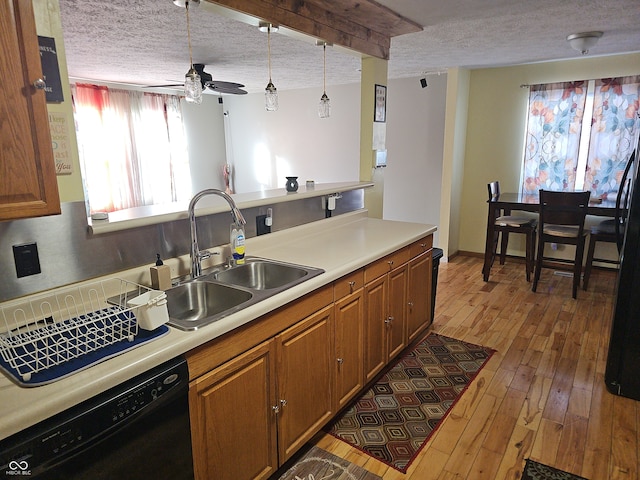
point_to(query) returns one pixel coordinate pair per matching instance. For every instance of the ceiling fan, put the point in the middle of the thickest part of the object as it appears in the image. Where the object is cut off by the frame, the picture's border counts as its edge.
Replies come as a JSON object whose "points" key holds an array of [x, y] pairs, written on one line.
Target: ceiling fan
{"points": [[207, 81]]}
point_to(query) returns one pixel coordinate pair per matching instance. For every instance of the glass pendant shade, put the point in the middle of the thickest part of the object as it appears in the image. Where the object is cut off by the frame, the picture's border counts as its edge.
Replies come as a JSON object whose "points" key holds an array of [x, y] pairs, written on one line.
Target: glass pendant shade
{"points": [[192, 87], [271, 92], [324, 107], [271, 97]]}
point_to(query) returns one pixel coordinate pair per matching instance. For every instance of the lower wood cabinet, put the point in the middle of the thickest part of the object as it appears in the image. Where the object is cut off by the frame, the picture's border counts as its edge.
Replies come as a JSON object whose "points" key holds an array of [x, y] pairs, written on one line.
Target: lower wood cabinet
{"points": [[349, 338], [304, 376], [419, 295], [259, 393], [233, 418], [254, 412], [385, 310]]}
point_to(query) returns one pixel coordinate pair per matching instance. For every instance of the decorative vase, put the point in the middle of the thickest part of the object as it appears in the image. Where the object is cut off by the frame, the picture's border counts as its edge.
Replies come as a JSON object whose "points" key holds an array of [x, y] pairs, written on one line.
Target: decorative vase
{"points": [[292, 184]]}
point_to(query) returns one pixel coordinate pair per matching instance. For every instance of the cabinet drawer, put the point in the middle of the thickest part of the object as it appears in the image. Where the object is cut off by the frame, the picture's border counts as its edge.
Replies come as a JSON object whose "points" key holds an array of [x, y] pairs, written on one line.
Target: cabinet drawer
{"points": [[420, 246], [386, 264], [348, 284]]}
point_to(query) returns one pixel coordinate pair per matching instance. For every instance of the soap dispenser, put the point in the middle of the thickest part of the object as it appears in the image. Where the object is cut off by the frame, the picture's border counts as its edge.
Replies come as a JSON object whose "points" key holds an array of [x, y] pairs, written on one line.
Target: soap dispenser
{"points": [[160, 275], [237, 243]]}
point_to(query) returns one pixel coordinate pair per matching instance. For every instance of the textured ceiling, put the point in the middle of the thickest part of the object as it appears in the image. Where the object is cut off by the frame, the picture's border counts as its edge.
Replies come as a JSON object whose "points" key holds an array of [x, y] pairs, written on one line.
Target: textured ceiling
{"points": [[145, 42]]}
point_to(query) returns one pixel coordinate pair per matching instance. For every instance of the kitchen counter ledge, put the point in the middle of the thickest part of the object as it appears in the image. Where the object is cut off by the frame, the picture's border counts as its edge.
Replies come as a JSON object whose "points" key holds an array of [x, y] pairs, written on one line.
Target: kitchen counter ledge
{"points": [[339, 245]]}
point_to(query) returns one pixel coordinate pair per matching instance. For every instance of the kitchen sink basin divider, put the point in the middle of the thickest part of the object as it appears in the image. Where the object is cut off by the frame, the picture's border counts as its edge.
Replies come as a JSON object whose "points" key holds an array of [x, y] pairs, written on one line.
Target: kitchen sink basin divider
{"points": [[56, 328]]}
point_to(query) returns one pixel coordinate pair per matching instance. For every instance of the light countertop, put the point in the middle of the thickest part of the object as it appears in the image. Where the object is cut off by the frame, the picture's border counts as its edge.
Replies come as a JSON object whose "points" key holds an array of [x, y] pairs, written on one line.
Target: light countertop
{"points": [[338, 245]]}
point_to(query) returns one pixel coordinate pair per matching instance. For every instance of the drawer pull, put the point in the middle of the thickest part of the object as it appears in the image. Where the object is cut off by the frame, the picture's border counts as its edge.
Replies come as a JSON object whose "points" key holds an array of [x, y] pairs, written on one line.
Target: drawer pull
{"points": [[351, 286], [389, 320], [340, 361]]}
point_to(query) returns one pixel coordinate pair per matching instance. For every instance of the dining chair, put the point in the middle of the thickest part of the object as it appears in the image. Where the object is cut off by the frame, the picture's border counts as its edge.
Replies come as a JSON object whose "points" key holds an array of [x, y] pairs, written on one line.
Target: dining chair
{"points": [[561, 221], [503, 225], [610, 230]]}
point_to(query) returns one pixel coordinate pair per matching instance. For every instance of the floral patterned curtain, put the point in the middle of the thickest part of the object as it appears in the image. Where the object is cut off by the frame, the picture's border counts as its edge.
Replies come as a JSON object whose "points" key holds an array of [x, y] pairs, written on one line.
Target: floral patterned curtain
{"points": [[614, 134], [553, 136]]}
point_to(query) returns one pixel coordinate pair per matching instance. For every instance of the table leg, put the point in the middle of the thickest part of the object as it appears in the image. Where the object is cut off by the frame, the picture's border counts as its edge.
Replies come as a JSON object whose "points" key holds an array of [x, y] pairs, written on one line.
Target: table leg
{"points": [[488, 248]]}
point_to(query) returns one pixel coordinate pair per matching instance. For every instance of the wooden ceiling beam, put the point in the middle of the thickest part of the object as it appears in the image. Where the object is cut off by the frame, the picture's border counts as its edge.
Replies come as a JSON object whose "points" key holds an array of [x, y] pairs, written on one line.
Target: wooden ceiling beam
{"points": [[360, 25]]}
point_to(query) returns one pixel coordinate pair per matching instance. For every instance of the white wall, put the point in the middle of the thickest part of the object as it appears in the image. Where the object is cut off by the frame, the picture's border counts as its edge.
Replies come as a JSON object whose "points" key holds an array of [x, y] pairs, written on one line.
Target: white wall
{"points": [[204, 128], [266, 146], [415, 142]]}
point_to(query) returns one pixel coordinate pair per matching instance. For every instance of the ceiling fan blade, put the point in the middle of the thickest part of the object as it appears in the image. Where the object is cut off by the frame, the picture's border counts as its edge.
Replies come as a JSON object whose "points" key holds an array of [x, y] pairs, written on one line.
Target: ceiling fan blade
{"points": [[229, 90], [213, 84]]}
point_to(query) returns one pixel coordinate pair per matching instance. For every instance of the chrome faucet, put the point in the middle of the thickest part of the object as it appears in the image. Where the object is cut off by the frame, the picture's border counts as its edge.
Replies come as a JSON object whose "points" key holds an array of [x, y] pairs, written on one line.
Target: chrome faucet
{"points": [[196, 254]]}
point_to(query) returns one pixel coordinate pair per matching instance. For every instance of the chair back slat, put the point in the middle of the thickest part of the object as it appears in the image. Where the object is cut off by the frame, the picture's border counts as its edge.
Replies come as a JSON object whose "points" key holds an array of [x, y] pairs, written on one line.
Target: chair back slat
{"points": [[563, 208]]}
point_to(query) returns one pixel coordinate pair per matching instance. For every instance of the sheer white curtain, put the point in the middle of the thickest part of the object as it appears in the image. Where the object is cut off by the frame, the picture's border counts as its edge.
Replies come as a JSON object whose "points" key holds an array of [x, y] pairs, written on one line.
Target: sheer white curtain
{"points": [[132, 147]]}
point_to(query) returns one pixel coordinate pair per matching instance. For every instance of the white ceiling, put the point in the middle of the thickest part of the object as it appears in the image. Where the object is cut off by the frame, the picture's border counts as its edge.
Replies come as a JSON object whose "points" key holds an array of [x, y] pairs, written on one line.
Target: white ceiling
{"points": [[145, 42]]}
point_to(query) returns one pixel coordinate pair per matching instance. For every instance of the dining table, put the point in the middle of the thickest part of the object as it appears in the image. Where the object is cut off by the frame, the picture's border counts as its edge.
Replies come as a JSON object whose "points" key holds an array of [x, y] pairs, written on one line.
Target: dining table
{"points": [[505, 203]]}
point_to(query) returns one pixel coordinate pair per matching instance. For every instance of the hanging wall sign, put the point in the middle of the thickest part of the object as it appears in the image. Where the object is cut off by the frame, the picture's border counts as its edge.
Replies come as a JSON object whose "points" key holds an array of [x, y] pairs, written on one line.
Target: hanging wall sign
{"points": [[50, 69], [61, 143]]}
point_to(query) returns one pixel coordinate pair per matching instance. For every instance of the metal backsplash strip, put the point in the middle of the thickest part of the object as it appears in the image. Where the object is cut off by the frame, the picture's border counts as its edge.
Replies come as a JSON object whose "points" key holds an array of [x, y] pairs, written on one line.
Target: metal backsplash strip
{"points": [[69, 254]]}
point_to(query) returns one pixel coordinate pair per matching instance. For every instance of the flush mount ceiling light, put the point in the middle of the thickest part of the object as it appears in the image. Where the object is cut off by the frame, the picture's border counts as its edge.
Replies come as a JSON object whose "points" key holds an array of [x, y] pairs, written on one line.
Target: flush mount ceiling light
{"points": [[582, 42], [192, 81], [271, 92], [324, 107]]}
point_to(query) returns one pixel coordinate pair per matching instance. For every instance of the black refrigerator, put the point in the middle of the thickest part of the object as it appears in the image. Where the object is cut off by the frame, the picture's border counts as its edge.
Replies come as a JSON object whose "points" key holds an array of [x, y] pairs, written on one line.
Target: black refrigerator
{"points": [[622, 374]]}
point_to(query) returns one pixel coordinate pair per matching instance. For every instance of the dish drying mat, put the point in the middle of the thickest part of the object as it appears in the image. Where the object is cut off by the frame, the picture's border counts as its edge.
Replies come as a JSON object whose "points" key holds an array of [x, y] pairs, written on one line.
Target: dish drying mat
{"points": [[69, 367]]}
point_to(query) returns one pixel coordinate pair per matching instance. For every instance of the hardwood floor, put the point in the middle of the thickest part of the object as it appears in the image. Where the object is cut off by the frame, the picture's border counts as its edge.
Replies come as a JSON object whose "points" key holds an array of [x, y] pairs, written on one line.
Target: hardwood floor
{"points": [[541, 396]]}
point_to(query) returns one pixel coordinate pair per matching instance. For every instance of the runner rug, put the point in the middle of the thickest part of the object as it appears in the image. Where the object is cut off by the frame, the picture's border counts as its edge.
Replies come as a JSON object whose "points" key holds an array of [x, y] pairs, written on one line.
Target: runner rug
{"points": [[318, 464], [538, 471], [393, 419]]}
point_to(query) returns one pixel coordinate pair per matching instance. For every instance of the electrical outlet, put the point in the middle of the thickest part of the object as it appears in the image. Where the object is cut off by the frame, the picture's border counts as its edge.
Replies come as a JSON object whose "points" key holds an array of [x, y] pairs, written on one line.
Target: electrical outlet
{"points": [[26, 259]]}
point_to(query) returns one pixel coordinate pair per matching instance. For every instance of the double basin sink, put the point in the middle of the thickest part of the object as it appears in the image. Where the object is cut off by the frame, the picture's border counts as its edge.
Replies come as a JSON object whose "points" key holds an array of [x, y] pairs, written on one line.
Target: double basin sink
{"points": [[228, 290]]}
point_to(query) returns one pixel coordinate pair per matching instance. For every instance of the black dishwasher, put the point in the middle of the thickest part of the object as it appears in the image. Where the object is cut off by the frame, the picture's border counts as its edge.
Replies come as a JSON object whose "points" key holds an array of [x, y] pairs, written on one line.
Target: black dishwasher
{"points": [[137, 430]]}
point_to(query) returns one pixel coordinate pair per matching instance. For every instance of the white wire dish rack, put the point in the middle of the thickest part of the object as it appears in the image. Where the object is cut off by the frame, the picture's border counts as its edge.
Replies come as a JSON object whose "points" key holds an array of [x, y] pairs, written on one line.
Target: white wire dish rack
{"points": [[52, 329]]}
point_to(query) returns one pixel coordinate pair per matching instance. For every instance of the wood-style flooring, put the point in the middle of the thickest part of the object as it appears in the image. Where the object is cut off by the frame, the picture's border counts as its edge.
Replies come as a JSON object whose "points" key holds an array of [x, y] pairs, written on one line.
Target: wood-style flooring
{"points": [[541, 396]]}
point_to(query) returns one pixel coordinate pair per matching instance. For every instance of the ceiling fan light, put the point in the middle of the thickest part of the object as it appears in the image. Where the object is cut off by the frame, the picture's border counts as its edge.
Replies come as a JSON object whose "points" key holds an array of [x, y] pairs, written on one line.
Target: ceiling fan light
{"points": [[584, 41], [271, 97], [192, 87], [324, 107]]}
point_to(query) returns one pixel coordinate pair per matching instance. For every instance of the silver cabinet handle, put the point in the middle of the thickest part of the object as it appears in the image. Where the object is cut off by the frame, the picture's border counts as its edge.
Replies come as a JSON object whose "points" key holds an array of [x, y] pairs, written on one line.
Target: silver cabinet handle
{"points": [[275, 409], [283, 403], [40, 84], [351, 286], [388, 320], [340, 361], [410, 304], [390, 262], [423, 245]]}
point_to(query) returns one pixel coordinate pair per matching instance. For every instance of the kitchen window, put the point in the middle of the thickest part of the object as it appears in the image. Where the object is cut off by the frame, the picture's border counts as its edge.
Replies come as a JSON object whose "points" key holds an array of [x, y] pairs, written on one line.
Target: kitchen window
{"points": [[580, 135], [132, 148]]}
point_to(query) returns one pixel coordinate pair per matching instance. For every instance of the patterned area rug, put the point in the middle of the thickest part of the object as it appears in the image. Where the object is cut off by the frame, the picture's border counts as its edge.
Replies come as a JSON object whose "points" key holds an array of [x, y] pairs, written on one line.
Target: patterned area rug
{"points": [[318, 464], [394, 418], [538, 471]]}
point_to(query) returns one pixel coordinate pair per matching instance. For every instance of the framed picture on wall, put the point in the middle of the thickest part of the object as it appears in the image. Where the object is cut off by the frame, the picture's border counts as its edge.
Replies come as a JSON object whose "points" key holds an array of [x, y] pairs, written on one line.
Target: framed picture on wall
{"points": [[380, 112]]}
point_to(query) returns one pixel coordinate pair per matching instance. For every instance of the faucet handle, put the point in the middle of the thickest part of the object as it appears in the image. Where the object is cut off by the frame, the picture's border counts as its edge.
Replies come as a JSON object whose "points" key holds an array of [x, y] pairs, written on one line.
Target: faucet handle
{"points": [[203, 254]]}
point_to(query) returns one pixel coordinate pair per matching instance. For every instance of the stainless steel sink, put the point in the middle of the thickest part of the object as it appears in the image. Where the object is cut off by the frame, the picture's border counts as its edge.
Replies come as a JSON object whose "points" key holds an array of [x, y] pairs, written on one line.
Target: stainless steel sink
{"points": [[228, 290], [261, 274], [193, 304]]}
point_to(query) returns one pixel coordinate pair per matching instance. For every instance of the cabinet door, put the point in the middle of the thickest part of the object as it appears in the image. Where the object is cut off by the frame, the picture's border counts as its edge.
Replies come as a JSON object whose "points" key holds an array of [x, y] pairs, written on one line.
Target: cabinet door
{"points": [[28, 185], [397, 318], [233, 422], [375, 338], [419, 296], [305, 371], [349, 322]]}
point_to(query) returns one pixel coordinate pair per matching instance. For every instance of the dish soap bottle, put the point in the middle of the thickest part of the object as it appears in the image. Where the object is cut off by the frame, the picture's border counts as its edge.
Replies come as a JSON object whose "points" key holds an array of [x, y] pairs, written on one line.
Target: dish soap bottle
{"points": [[237, 243]]}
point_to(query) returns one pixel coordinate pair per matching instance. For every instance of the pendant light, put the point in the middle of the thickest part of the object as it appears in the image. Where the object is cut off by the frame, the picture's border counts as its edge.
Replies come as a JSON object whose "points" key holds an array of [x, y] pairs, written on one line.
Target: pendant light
{"points": [[271, 92], [192, 81], [324, 107]]}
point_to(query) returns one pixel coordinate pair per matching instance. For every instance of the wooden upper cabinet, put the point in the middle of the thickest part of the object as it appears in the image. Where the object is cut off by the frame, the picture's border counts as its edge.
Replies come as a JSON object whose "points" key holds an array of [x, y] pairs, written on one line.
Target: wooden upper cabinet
{"points": [[28, 185]]}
